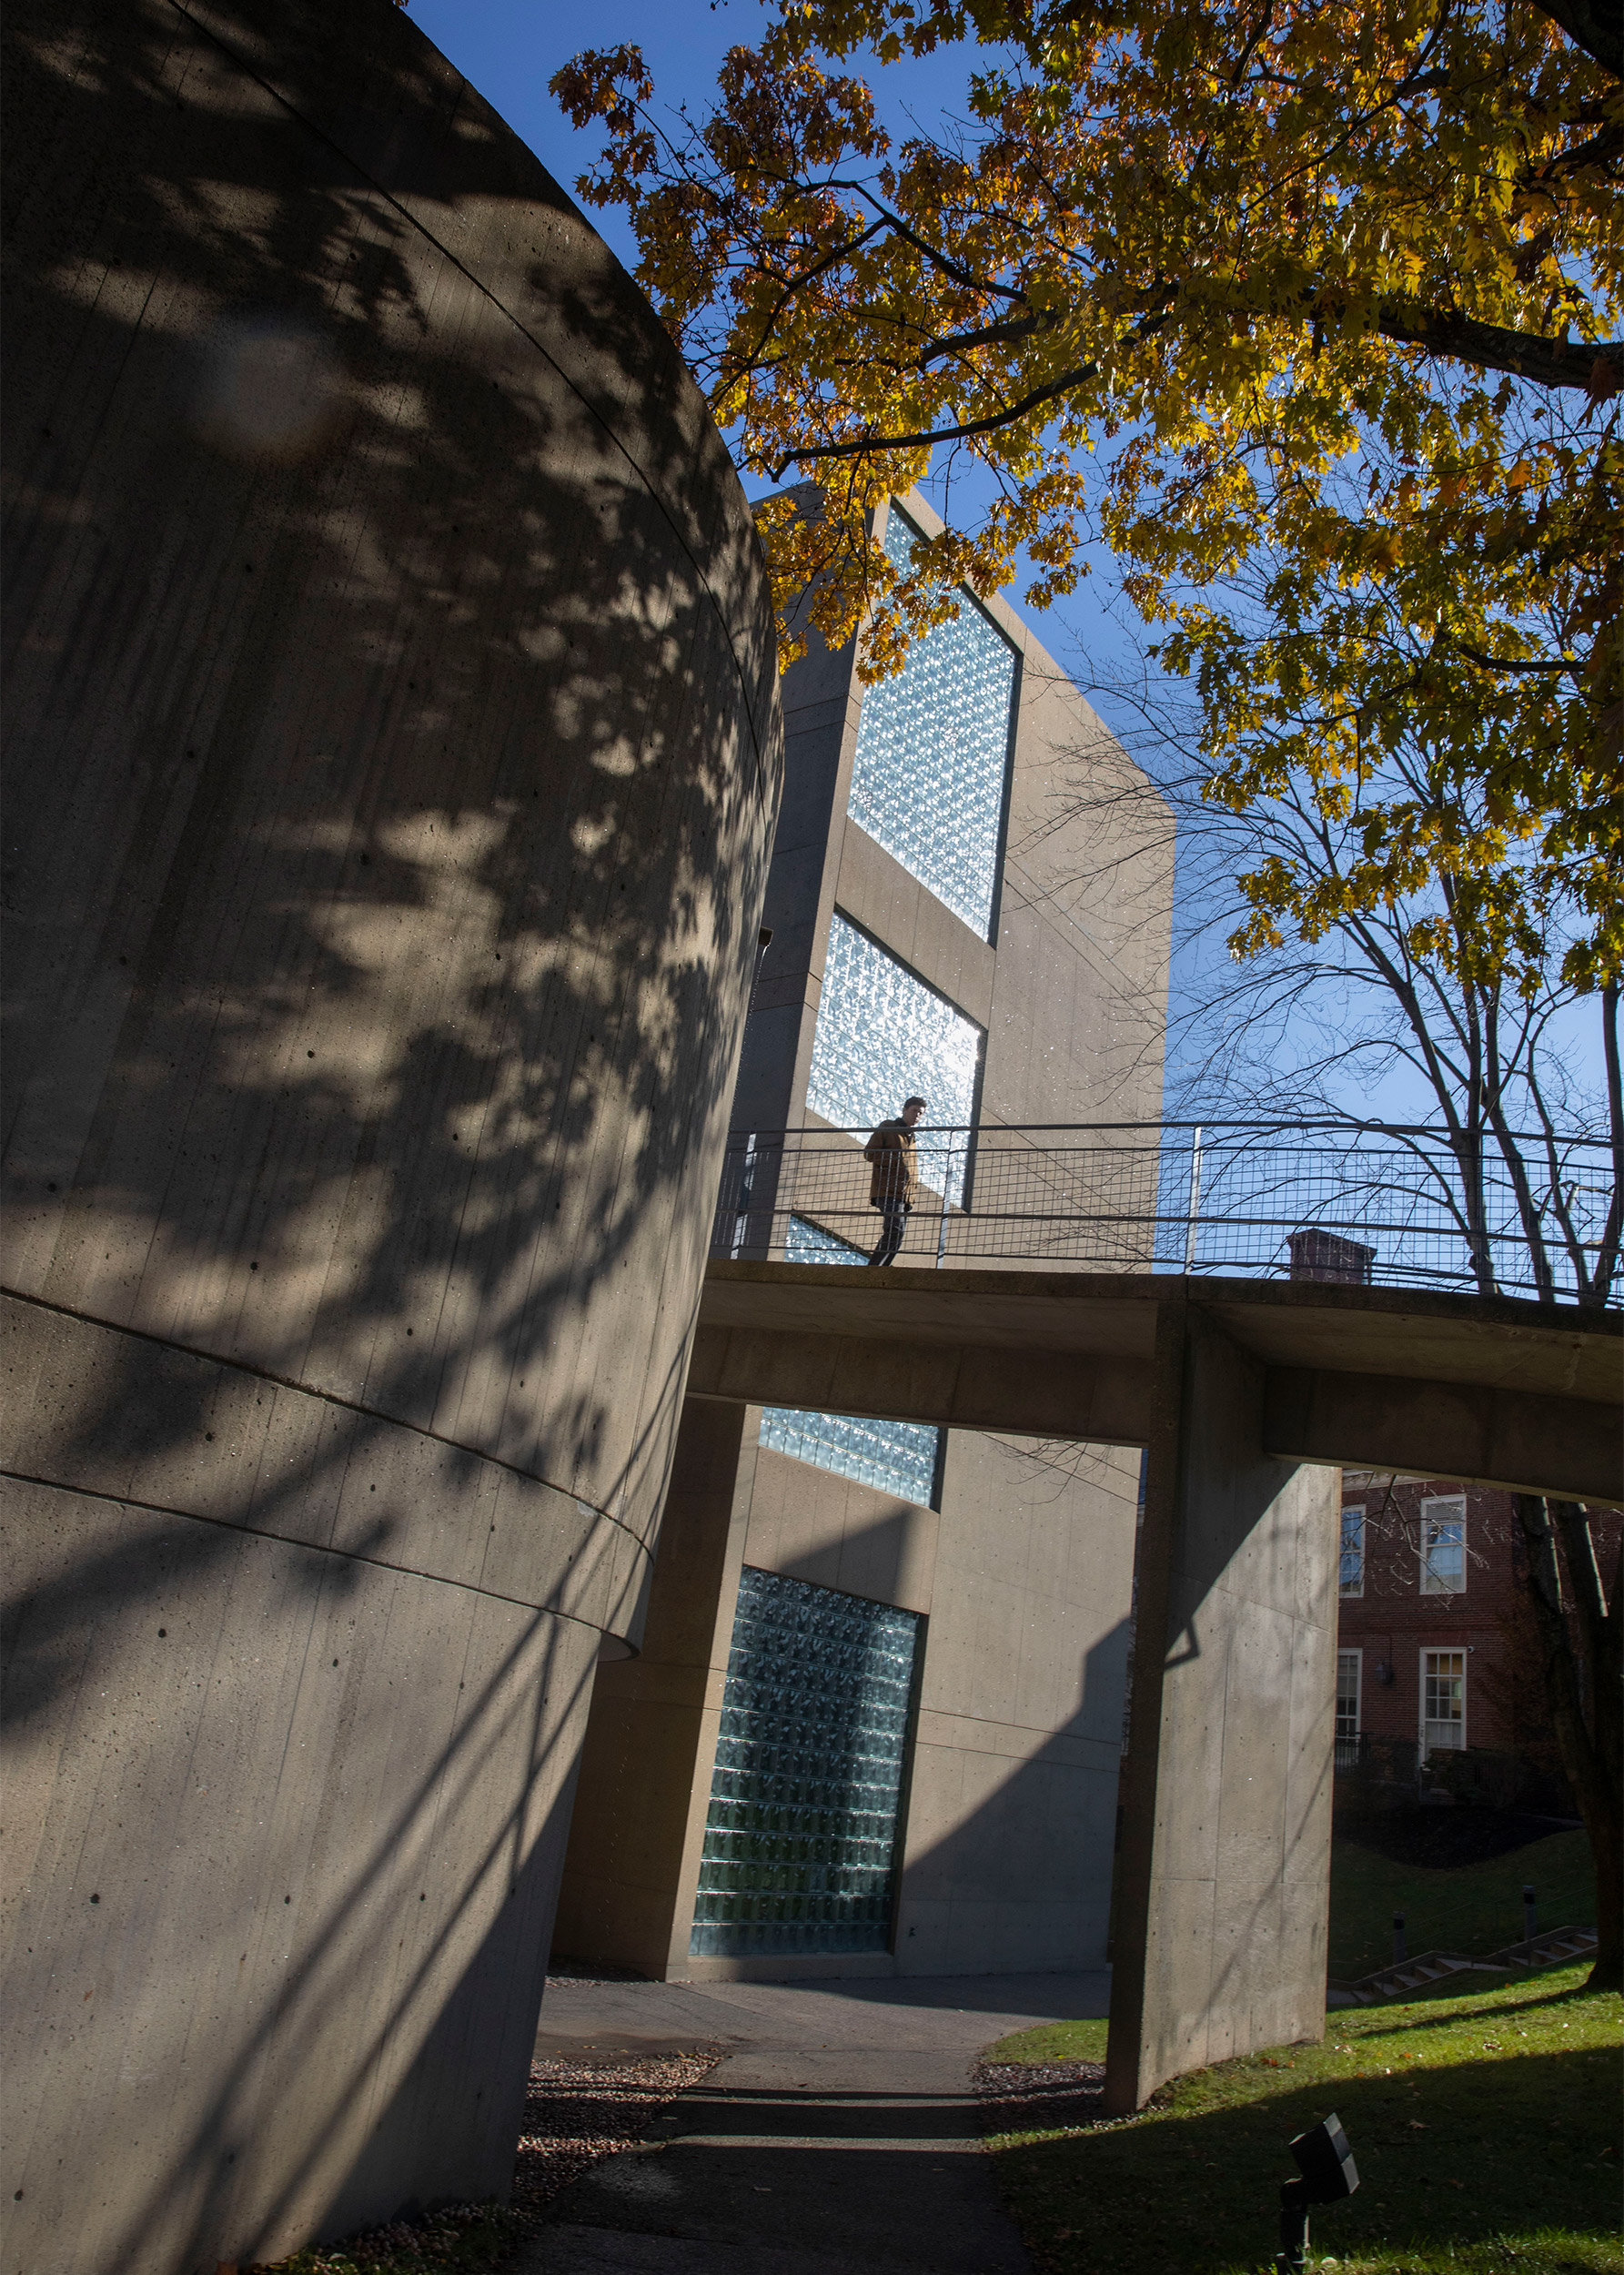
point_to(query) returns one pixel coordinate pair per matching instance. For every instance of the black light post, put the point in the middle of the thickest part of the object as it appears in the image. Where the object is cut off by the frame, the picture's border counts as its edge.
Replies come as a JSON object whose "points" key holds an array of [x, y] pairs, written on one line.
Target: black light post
{"points": [[1530, 1912], [1399, 1952], [1326, 2162]]}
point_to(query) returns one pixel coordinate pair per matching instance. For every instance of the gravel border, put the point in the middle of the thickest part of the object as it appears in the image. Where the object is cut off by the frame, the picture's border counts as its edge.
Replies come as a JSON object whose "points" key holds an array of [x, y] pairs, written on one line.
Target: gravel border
{"points": [[576, 2113], [1032, 2097]]}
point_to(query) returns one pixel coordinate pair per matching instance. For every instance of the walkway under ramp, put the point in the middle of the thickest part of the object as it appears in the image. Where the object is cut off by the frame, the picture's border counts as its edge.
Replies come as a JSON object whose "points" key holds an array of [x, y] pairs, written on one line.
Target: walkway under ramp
{"points": [[1247, 1395], [839, 2134]]}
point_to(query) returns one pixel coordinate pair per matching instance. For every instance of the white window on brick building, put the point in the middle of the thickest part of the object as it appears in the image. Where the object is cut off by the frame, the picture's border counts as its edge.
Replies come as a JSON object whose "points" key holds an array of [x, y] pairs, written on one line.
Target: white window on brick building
{"points": [[1443, 1701], [1348, 1672], [1351, 1572], [1443, 1545]]}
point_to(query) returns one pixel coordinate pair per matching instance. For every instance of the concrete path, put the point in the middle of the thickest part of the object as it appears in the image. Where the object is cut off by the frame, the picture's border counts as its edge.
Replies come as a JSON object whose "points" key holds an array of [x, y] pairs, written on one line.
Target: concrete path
{"points": [[838, 2135]]}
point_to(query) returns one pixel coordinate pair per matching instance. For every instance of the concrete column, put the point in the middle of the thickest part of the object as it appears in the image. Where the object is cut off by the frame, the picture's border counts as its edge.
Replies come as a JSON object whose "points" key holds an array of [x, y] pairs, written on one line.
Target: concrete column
{"points": [[645, 1785], [1223, 1872]]}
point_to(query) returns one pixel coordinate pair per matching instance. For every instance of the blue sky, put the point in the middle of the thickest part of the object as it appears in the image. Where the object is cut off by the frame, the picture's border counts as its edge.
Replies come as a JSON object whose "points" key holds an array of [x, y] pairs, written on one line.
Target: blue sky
{"points": [[509, 49]]}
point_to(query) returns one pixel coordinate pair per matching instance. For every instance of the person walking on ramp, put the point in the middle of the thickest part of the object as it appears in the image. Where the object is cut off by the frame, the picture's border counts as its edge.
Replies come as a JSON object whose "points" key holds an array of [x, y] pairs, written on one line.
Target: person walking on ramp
{"points": [[894, 1178]]}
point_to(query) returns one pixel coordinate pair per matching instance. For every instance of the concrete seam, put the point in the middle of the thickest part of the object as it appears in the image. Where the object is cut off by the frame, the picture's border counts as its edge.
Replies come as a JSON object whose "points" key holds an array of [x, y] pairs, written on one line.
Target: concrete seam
{"points": [[207, 32], [328, 1398], [292, 1539]]}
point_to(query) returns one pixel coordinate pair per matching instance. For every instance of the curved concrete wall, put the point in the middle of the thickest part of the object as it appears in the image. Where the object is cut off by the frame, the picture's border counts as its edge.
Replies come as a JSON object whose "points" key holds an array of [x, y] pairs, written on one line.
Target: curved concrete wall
{"points": [[394, 751]]}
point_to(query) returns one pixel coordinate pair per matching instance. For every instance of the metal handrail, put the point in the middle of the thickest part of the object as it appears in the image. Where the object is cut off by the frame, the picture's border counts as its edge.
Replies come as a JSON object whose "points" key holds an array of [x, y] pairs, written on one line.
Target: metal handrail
{"points": [[1318, 1199]]}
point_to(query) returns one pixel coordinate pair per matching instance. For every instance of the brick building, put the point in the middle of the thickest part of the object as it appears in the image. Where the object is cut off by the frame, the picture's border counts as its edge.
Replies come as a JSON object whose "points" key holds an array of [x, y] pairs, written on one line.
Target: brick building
{"points": [[1436, 1640]]}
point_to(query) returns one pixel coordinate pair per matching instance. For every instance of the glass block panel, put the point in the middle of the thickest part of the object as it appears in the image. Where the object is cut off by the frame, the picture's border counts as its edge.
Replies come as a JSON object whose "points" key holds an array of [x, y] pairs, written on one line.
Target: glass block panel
{"points": [[883, 1036], [932, 746], [895, 1457], [808, 1243], [801, 1838]]}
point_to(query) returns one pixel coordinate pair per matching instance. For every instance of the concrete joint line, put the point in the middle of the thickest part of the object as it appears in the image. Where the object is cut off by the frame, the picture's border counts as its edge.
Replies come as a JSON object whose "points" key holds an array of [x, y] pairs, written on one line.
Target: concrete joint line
{"points": [[289, 1540], [326, 1397]]}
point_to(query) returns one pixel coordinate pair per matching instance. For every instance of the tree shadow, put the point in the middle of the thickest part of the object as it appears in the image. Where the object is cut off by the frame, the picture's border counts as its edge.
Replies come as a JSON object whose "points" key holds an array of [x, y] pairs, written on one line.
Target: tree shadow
{"points": [[393, 750], [1199, 2190]]}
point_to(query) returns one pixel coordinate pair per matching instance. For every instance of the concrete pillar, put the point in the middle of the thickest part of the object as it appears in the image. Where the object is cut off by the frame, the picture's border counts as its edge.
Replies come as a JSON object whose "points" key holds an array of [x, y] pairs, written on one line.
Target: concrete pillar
{"points": [[638, 1825], [393, 750], [1223, 1872]]}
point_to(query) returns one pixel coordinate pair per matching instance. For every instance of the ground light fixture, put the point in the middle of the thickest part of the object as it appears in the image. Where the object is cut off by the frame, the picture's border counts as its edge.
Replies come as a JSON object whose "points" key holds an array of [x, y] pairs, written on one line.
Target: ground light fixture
{"points": [[1326, 2162]]}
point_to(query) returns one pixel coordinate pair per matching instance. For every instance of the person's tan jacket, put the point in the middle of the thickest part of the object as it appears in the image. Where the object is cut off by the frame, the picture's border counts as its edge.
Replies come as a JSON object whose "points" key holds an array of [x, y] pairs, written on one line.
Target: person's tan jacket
{"points": [[895, 1171]]}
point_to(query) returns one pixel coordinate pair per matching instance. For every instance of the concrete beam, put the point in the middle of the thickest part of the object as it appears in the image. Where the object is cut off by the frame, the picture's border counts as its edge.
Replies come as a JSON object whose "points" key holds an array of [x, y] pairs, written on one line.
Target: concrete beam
{"points": [[1520, 1441], [1491, 1389], [965, 1385]]}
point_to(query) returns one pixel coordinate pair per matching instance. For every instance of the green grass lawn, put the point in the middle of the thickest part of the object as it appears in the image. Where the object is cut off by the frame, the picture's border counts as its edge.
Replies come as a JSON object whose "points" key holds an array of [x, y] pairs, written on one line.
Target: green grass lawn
{"points": [[1486, 2130], [1471, 1908]]}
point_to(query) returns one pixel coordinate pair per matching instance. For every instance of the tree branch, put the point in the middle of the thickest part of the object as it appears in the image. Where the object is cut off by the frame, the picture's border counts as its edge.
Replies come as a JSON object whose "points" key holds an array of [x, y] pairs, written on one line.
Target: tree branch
{"points": [[1523, 355], [1437, 332], [989, 335], [863, 444], [1595, 25], [1514, 664]]}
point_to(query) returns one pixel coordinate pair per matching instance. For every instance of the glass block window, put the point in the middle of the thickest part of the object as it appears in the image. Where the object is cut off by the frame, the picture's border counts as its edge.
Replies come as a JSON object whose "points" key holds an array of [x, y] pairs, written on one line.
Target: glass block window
{"points": [[883, 1036], [933, 748], [895, 1457], [1443, 1700], [1443, 1546], [808, 1243], [1351, 1571], [800, 1839]]}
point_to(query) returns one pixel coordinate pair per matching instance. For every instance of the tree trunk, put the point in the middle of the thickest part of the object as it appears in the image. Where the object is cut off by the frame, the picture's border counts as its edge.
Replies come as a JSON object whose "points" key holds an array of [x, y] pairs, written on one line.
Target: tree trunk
{"points": [[1585, 1701]]}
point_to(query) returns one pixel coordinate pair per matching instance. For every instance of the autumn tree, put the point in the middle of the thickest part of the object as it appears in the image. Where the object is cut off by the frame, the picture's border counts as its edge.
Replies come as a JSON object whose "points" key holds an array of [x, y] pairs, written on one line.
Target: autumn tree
{"points": [[1323, 290], [1523, 1082]]}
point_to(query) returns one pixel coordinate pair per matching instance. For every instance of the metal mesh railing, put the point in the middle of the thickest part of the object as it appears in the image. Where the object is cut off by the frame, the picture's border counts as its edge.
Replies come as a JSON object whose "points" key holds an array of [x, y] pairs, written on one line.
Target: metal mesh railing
{"points": [[1322, 1200]]}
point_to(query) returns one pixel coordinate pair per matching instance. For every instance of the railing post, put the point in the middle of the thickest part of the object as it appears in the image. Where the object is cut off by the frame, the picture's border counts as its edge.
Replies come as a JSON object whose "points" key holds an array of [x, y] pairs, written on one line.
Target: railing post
{"points": [[1194, 1203], [941, 1225], [745, 1195]]}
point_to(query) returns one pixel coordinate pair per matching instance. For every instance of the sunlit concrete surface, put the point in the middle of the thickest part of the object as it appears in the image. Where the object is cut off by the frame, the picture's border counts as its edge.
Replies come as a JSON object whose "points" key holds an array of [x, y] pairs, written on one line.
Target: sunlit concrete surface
{"points": [[393, 749]]}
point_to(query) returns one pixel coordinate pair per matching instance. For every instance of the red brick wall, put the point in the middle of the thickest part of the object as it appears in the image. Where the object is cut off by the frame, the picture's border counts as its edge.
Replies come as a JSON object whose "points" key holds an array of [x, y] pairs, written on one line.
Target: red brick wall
{"points": [[1392, 1623]]}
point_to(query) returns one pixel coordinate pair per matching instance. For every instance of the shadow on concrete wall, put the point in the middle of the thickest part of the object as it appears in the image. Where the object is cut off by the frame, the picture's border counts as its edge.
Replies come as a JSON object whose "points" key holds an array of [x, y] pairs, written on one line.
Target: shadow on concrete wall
{"points": [[380, 691], [1040, 1839], [393, 754]]}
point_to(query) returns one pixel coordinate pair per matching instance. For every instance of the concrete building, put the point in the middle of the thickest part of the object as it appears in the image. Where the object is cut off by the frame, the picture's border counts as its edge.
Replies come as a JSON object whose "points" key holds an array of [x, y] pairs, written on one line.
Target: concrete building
{"points": [[876, 1724], [393, 749]]}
